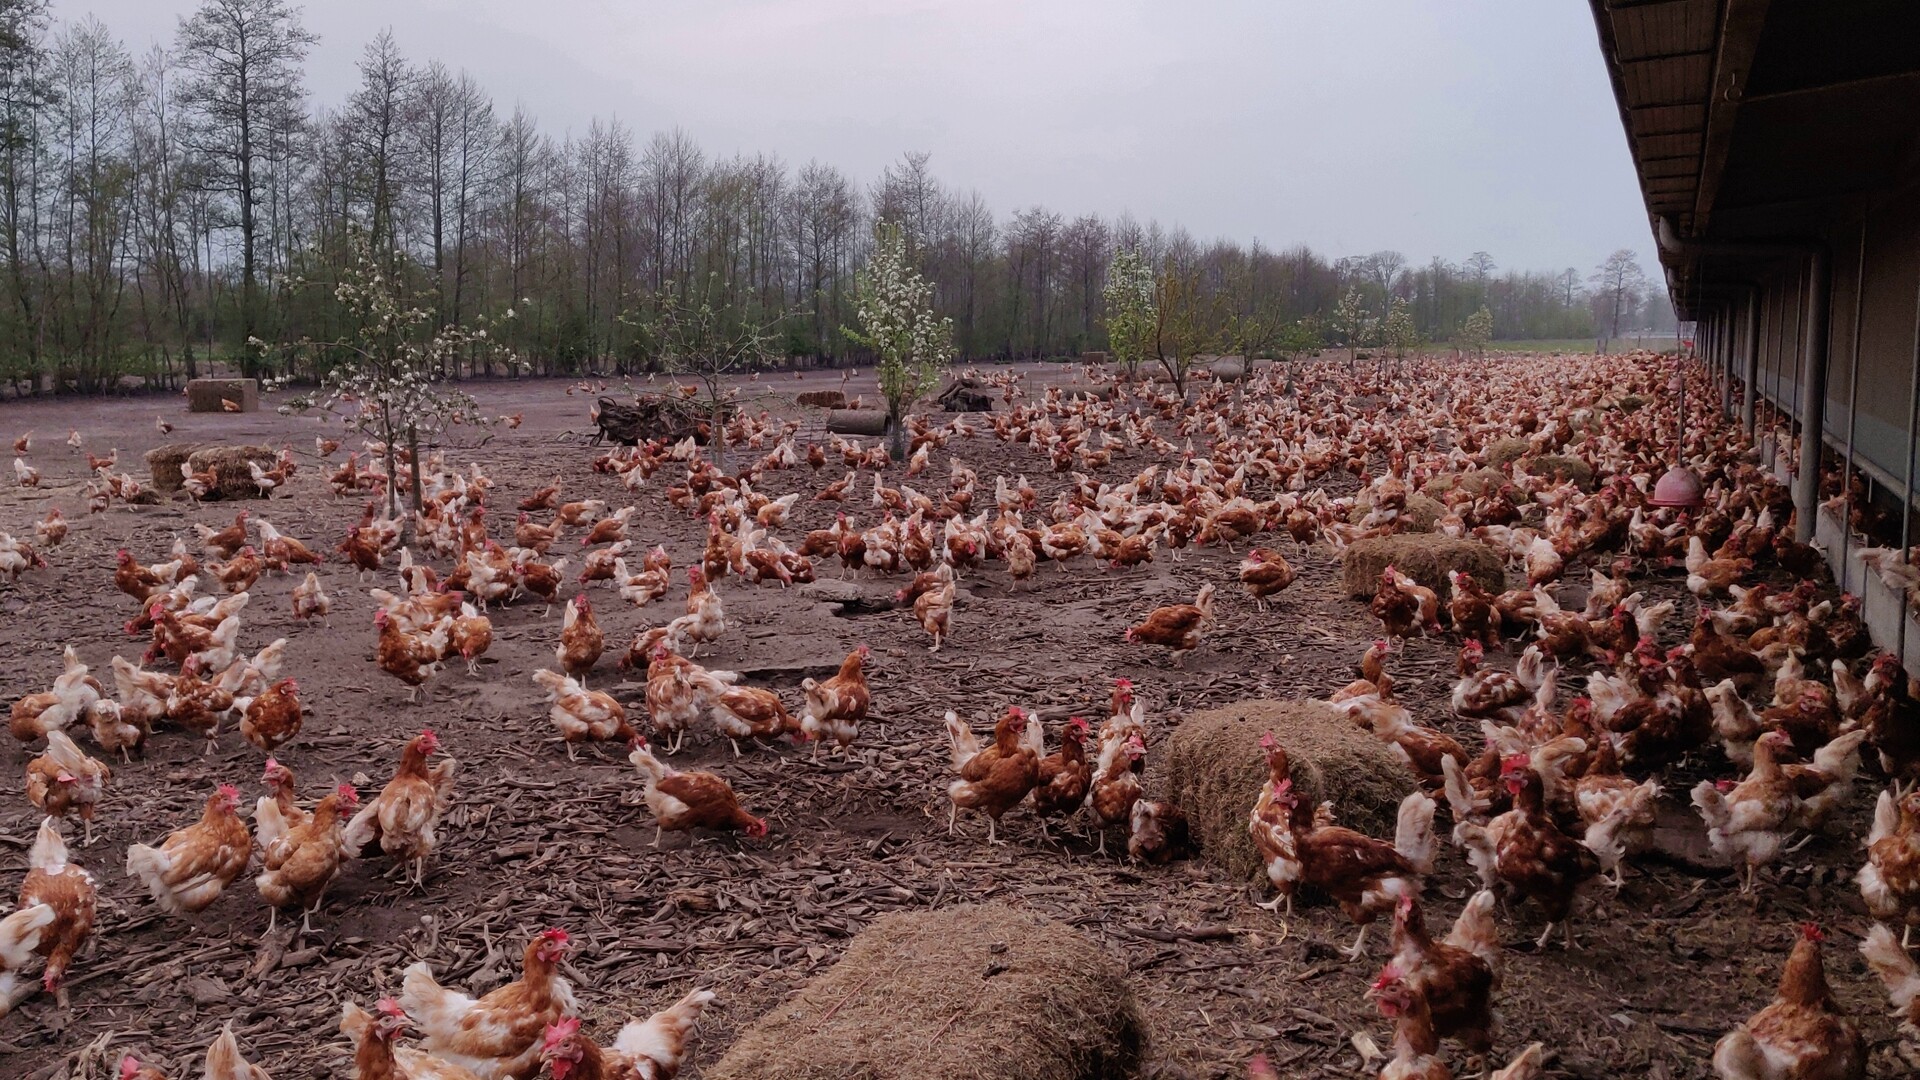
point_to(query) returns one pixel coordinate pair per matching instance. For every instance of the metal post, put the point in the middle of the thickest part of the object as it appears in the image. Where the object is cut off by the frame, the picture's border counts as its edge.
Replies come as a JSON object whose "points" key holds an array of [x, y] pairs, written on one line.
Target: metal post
{"points": [[1813, 396], [1725, 342], [1752, 349], [1853, 405], [1906, 494]]}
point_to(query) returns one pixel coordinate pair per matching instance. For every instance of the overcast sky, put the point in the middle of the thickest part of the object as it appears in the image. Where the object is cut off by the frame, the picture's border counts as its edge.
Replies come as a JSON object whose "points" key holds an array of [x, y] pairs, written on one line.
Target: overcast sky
{"points": [[1434, 128]]}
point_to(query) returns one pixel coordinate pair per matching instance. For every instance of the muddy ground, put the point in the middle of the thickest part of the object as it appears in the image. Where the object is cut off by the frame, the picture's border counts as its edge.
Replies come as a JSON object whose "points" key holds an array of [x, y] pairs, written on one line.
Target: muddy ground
{"points": [[535, 840]]}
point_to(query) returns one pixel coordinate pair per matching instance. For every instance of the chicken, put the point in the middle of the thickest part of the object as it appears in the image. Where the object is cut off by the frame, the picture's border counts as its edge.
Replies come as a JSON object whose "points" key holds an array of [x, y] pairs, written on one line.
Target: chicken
{"points": [[223, 1057], [1489, 692], [1890, 881], [299, 864], [140, 582], [497, 1036], [27, 475], [223, 543], [51, 530], [1543, 562], [405, 817], [1363, 875], [1401, 604], [992, 779], [377, 1054], [1618, 813], [1178, 627], [1264, 573], [934, 609], [609, 530], [1416, 1048], [1421, 749], [194, 865], [533, 536], [1114, 789], [1457, 976], [410, 656], [581, 714], [282, 551], [1471, 610], [310, 600], [708, 615], [65, 779], [650, 1049], [272, 719], [650, 584], [34, 716], [747, 712], [277, 812], [197, 705], [471, 635], [115, 728], [833, 708], [581, 641], [1524, 849], [689, 800], [1899, 974], [1712, 577], [1749, 821], [53, 918], [1801, 1035], [1061, 783], [1159, 833]]}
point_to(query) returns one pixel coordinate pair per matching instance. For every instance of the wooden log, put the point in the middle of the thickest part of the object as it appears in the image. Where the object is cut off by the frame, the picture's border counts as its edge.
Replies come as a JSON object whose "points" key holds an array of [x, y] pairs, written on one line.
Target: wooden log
{"points": [[857, 422]]}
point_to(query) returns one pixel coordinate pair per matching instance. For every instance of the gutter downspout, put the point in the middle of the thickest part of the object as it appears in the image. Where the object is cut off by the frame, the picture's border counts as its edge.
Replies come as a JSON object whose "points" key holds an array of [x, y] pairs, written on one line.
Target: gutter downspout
{"points": [[1813, 384]]}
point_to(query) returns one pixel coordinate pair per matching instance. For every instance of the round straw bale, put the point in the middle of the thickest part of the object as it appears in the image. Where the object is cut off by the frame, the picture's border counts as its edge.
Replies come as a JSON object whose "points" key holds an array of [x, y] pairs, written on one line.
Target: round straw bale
{"points": [[1215, 769], [233, 480], [857, 422], [164, 462], [1424, 557], [1560, 468], [1504, 452], [969, 991]]}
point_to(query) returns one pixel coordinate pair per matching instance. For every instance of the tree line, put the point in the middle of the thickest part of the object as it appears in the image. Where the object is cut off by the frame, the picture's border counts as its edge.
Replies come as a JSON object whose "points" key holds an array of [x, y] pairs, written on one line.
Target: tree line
{"points": [[184, 211]]}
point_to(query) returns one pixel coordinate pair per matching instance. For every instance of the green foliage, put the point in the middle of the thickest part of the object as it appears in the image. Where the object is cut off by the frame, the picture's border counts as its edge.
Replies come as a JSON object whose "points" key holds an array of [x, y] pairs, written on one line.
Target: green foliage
{"points": [[1351, 323], [1398, 332], [1129, 309], [1188, 322], [897, 321], [1476, 331]]}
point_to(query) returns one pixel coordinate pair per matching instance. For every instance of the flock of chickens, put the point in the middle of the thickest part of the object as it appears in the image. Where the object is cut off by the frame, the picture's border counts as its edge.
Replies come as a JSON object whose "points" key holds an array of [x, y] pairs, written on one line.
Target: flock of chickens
{"points": [[1558, 796]]}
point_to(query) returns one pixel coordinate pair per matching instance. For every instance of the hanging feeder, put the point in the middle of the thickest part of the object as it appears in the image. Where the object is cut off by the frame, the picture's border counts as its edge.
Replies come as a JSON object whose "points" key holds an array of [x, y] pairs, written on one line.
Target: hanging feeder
{"points": [[1679, 489]]}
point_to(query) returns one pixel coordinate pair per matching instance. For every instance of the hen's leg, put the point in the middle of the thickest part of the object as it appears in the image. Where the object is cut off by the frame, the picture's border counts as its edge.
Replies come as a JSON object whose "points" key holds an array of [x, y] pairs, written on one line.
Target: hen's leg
{"points": [[1359, 945], [1541, 942]]}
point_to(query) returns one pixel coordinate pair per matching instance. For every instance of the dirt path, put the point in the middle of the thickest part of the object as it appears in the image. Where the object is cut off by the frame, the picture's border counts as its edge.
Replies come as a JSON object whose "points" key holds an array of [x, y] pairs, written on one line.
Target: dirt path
{"points": [[536, 841]]}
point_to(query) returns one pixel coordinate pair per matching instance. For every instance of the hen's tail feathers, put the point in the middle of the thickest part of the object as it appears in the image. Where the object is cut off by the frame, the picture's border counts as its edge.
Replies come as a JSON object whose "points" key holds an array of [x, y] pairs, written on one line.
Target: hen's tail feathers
{"points": [[1477, 842], [49, 847], [1530, 1065], [1460, 798], [1713, 807], [961, 741], [1475, 930], [20, 935], [150, 866], [662, 1037], [364, 829], [1886, 818], [354, 1023], [223, 1058], [1413, 832], [1896, 969]]}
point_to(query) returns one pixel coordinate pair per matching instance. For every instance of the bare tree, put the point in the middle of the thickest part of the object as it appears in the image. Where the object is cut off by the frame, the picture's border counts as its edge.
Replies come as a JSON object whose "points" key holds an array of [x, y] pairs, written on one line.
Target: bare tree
{"points": [[1617, 285], [242, 60]]}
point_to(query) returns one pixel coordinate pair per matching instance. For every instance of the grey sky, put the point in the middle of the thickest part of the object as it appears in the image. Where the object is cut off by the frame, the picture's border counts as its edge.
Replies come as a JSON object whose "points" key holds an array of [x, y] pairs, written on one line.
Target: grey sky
{"points": [[1429, 126]]}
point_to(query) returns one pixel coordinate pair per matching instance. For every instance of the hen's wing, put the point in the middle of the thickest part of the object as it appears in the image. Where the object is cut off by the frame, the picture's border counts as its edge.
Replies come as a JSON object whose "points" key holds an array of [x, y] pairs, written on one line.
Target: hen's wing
{"points": [[662, 1037]]}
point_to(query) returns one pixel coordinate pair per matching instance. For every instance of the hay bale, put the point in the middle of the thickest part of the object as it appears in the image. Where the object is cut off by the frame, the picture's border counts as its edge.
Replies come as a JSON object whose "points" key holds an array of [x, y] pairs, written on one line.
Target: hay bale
{"points": [[970, 991], [232, 478], [206, 395], [1215, 769], [1424, 557], [822, 399], [1093, 358], [164, 465], [1561, 468], [1504, 452], [857, 422], [1632, 403]]}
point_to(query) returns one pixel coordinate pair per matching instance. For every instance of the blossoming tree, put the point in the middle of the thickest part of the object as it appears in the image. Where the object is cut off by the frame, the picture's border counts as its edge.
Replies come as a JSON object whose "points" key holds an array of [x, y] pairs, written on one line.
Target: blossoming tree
{"points": [[1130, 313], [384, 376], [894, 304]]}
